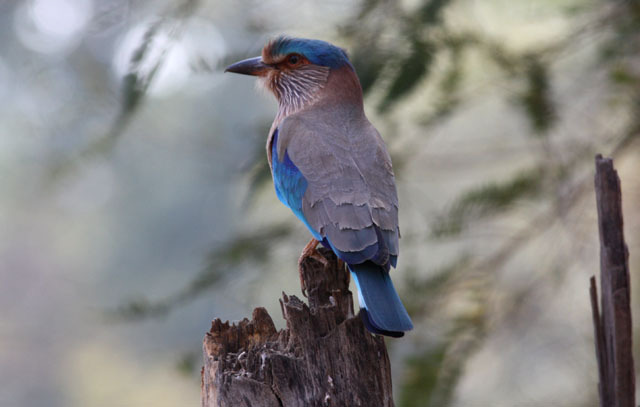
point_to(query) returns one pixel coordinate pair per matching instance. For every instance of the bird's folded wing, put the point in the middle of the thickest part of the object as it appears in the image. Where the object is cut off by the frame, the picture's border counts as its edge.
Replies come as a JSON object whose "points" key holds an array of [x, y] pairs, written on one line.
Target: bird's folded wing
{"points": [[351, 196]]}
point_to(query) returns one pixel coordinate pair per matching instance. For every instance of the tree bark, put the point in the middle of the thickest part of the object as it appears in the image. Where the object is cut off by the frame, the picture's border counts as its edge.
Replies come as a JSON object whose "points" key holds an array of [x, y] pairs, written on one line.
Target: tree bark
{"points": [[612, 327], [324, 357]]}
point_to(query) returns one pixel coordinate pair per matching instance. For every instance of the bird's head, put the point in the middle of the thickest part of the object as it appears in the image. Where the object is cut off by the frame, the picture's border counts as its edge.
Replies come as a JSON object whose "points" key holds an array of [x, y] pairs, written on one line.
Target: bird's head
{"points": [[294, 69]]}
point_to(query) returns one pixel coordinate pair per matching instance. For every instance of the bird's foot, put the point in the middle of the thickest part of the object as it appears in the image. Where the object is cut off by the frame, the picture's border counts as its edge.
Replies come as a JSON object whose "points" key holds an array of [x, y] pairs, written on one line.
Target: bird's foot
{"points": [[310, 250]]}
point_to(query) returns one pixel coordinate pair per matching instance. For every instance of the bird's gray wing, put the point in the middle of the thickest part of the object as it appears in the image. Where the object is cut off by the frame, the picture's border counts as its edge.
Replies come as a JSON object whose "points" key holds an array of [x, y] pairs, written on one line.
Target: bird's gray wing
{"points": [[351, 196]]}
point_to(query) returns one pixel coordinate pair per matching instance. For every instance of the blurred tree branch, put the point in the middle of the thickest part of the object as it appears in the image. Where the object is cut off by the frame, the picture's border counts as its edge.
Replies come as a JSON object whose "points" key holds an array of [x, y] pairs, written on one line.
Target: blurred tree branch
{"points": [[252, 248], [135, 84]]}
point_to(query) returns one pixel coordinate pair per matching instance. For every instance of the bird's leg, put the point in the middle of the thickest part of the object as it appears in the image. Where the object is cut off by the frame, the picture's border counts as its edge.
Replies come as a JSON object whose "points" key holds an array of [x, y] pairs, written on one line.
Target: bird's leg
{"points": [[310, 250]]}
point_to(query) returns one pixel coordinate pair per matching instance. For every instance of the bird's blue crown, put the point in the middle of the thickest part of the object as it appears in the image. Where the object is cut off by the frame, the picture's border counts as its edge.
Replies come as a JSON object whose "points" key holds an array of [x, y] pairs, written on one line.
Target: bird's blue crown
{"points": [[316, 51]]}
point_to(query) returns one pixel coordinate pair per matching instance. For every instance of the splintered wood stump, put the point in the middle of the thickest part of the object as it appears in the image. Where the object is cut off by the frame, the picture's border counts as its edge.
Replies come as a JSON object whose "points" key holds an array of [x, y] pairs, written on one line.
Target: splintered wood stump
{"points": [[612, 327], [325, 356]]}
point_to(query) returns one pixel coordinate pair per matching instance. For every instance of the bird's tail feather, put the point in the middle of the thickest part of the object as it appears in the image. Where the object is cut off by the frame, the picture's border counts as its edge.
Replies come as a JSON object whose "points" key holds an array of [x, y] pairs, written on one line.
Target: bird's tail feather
{"points": [[381, 309]]}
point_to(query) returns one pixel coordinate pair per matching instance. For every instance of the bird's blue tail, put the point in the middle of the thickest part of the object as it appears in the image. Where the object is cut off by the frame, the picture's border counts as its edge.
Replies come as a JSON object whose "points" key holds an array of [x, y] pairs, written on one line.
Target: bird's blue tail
{"points": [[381, 309]]}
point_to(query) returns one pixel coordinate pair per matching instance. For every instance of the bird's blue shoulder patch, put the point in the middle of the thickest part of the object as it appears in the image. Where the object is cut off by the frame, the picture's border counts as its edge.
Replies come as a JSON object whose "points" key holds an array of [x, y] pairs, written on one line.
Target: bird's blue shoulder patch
{"points": [[316, 51], [289, 182]]}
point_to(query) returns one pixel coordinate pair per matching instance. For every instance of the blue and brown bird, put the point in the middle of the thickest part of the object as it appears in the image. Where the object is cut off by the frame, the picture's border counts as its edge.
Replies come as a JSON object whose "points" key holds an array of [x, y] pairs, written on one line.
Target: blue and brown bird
{"points": [[332, 169]]}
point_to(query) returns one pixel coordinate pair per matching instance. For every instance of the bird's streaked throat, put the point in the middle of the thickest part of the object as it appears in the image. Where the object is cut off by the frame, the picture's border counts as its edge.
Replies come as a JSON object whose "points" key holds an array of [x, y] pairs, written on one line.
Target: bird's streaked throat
{"points": [[296, 89]]}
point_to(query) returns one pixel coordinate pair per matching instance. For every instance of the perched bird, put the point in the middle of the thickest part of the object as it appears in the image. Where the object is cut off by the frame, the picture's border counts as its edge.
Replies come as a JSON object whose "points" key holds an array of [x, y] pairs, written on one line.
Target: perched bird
{"points": [[332, 169]]}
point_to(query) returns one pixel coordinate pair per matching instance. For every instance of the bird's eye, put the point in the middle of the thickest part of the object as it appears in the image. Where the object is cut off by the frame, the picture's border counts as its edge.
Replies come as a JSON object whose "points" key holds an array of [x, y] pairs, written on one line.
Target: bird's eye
{"points": [[294, 59]]}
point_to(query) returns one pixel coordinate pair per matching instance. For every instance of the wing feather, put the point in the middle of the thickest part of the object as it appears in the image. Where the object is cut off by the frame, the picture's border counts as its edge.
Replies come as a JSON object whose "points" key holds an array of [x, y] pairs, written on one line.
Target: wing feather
{"points": [[351, 197]]}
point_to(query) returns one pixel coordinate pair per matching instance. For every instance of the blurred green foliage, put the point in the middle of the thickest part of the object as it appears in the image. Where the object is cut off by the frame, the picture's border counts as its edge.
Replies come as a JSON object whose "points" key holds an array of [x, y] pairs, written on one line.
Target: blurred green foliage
{"points": [[487, 200], [536, 99], [422, 295], [144, 65], [188, 363], [421, 378], [252, 248]]}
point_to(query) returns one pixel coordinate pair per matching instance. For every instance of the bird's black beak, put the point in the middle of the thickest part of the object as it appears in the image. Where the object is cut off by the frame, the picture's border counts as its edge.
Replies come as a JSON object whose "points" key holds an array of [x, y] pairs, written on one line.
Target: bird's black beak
{"points": [[251, 66]]}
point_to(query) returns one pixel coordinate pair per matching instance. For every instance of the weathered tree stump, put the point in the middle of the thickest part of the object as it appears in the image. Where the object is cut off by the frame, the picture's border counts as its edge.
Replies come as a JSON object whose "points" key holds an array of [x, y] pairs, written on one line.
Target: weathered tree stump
{"points": [[325, 356], [612, 327]]}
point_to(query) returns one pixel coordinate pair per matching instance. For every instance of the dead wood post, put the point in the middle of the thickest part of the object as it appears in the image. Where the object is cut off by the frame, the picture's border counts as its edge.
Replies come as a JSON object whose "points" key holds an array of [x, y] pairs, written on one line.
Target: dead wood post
{"points": [[324, 357], [612, 326]]}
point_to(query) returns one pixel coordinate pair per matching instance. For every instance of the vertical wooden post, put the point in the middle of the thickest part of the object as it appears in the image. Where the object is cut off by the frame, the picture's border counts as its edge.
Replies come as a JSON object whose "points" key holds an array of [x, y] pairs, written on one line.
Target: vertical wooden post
{"points": [[325, 356], [612, 327]]}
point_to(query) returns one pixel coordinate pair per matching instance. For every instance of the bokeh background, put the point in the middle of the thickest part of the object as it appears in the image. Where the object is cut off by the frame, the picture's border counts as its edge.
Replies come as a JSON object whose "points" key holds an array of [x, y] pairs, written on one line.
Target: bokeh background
{"points": [[136, 204]]}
